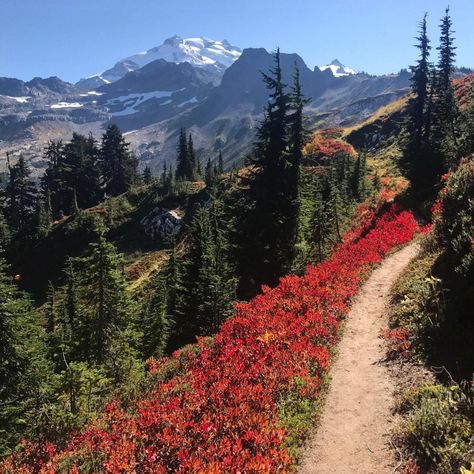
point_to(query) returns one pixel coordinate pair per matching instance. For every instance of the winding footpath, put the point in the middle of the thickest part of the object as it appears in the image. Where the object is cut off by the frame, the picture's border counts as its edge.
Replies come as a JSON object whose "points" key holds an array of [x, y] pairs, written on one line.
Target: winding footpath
{"points": [[353, 435]]}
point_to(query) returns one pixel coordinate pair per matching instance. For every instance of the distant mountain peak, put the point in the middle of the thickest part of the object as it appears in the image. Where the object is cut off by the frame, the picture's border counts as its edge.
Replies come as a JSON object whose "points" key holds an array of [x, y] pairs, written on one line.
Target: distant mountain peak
{"points": [[199, 52], [336, 62], [338, 69]]}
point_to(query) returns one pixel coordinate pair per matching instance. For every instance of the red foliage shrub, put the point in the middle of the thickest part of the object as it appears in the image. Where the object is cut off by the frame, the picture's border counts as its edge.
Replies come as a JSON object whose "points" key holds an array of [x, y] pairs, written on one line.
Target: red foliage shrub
{"points": [[398, 340], [219, 414], [462, 88], [327, 144]]}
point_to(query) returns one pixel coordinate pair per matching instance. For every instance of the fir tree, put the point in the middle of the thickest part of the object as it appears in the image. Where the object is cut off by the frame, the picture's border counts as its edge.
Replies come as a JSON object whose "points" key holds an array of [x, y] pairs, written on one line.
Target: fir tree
{"points": [[336, 207], [119, 166], [207, 287], [320, 224], [71, 300], [216, 283], [209, 176], [155, 322], [184, 168], [175, 291], [80, 174], [220, 164], [358, 180], [267, 228], [297, 139], [444, 133], [72, 168], [43, 218], [109, 303], [53, 181], [24, 369], [415, 160], [164, 175], [20, 196], [198, 169], [166, 180], [147, 176], [193, 161]]}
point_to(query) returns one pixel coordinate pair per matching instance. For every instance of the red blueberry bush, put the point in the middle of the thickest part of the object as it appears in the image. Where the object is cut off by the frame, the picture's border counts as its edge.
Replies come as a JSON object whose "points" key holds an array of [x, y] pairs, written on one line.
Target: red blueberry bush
{"points": [[327, 144], [218, 412]]}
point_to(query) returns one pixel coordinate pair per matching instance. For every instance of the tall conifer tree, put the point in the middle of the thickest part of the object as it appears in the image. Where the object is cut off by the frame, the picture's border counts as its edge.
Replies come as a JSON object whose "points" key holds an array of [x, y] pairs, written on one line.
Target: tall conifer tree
{"points": [[415, 160], [444, 133], [119, 166], [267, 226], [21, 196]]}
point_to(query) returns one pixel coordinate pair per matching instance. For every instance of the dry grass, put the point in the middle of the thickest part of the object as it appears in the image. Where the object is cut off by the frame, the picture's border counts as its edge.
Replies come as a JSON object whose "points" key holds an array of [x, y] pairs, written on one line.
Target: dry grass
{"points": [[382, 113]]}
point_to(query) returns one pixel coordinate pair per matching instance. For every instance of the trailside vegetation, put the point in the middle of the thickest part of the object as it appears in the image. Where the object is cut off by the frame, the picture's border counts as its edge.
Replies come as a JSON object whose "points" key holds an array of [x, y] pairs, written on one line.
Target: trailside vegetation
{"points": [[215, 407]]}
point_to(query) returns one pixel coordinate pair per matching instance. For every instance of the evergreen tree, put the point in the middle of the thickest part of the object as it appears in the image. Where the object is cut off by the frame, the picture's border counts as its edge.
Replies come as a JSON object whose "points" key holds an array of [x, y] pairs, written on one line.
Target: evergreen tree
{"points": [[336, 207], [184, 168], [216, 284], [164, 174], [71, 300], [358, 180], [166, 180], [73, 172], [80, 174], [220, 164], [75, 210], [209, 177], [43, 217], [20, 196], [208, 286], [147, 176], [23, 369], [444, 133], [320, 224], [198, 169], [4, 232], [119, 166], [53, 181], [266, 227], [415, 160], [155, 321], [193, 161], [105, 286], [170, 182], [297, 139], [174, 300]]}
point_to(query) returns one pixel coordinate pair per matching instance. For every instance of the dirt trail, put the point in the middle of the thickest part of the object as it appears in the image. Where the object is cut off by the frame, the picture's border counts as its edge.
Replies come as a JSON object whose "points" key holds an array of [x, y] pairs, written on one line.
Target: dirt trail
{"points": [[354, 431]]}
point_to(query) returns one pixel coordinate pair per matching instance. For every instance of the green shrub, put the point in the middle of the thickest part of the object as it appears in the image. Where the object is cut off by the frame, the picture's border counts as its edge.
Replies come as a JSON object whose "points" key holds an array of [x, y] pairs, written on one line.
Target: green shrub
{"points": [[455, 224], [420, 298], [439, 428]]}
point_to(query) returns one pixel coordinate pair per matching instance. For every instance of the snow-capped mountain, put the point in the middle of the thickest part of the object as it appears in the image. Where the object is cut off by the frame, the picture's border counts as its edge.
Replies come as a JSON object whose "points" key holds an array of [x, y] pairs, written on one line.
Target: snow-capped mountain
{"points": [[201, 52], [338, 69]]}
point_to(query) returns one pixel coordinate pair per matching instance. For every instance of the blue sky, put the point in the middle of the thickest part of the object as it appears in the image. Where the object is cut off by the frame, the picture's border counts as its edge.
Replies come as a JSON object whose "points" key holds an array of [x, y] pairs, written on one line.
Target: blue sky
{"points": [[77, 38]]}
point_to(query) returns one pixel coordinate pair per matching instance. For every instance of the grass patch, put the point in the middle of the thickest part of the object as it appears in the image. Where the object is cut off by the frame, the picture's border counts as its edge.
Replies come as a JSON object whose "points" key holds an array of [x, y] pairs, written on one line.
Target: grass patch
{"points": [[299, 413]]}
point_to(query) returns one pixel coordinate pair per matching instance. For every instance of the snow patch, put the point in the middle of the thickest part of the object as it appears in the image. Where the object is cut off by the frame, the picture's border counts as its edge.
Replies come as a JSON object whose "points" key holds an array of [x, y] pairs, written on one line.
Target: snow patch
{"points": [[21, 100], [91, 93], [67, 105], [132, 101], [190, 101]]}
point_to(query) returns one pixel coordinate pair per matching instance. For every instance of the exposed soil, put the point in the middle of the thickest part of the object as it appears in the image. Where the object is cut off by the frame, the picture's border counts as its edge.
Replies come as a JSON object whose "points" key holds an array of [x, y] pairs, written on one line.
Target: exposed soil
{"points": [[354, 431]]}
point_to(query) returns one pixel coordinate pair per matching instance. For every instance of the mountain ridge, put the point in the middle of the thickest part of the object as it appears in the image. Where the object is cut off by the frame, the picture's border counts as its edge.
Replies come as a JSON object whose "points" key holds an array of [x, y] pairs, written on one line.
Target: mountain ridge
{"points": [[202, 52]]}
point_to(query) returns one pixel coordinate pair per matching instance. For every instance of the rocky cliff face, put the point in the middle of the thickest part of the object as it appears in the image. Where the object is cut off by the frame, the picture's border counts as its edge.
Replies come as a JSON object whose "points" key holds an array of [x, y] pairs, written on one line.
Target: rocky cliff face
{"points": [[162, 224]]}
